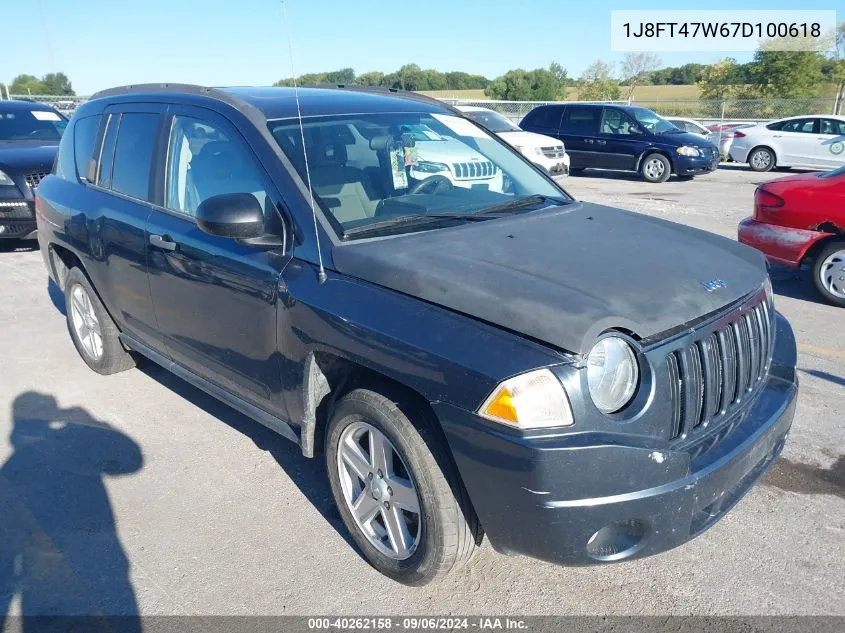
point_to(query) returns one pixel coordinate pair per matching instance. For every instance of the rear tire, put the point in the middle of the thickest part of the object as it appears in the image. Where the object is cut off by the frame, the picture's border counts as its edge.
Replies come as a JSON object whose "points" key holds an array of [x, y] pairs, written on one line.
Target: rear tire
{"points": [[92, 330], [829, 273], [414, 492], [655, 168], [762, 159]]}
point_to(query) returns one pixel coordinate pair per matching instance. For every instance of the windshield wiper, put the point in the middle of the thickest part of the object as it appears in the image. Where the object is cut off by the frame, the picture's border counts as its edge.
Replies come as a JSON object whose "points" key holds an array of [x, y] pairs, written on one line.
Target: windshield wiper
{"points": [[408, 220], [519, 203]]}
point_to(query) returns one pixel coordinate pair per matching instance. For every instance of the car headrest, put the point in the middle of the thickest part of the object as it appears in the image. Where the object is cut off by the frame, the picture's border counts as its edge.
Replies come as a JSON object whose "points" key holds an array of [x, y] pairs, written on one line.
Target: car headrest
{"points": [[329, 155]]}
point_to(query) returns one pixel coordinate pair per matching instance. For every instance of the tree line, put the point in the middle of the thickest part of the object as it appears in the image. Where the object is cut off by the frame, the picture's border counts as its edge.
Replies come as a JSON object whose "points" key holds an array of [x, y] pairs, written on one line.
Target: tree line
{"points": [[771, 73]]}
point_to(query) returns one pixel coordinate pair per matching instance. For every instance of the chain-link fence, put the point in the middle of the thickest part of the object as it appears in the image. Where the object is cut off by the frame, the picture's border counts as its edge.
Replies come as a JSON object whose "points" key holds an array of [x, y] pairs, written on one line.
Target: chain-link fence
{"points": [[707, 112]]}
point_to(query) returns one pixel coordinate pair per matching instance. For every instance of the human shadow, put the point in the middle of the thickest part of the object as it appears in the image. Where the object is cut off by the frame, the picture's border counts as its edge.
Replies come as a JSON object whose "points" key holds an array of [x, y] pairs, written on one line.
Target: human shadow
{"points": [[833, 378], [59, 548], [806, 479]]}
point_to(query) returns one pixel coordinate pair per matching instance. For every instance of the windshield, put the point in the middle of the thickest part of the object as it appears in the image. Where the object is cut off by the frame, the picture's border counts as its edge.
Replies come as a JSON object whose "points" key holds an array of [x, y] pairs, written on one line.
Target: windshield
{"points": [[834, 173], [493, 121], [27, 125], [393, 172], [652, 121]]}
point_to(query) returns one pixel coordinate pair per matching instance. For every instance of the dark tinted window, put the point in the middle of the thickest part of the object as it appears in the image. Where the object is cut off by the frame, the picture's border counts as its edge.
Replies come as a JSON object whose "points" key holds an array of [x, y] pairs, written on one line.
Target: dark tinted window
{"points": [[774, 126], [807, 126], [544, 116], [833, 126], [85, 138], [107, 154], [133, 154], [581, 120]]}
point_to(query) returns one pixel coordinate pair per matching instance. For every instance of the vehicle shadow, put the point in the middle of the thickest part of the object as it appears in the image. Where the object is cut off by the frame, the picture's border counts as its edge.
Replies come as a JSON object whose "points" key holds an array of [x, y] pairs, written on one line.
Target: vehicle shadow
{"points": [[795, 284], [823, 375], [59, 550], [18, 246], [309, 475], [56, 296], [608, 174]]}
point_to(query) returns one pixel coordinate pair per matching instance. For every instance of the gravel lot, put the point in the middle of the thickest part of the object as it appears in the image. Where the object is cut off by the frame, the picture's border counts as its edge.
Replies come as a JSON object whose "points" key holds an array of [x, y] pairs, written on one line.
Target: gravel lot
{"points": [[187, 507]]}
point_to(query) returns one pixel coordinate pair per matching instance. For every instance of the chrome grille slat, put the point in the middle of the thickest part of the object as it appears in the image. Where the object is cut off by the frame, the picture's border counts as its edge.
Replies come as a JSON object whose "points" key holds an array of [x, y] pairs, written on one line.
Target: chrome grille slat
{"points": [[474, 169], [710, 377]]}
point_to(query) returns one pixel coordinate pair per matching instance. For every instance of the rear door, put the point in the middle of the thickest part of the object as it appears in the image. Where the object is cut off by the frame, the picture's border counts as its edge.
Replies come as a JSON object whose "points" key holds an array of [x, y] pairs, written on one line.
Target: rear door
{"points": [[543, 120], [620, 140], [799, 142], [215, 298], [832, 148], [117, 216], [579, 131]]}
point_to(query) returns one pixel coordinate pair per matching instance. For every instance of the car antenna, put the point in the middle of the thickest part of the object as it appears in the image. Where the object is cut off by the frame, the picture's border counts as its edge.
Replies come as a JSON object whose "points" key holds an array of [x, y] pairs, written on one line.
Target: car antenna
{"points": [[322, 273]]}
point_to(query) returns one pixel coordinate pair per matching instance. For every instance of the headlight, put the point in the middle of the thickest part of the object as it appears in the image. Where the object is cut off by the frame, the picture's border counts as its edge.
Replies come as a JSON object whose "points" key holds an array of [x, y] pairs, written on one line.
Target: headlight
{"points": [[612, 374], [687, 150], [529, 401], [4, 179], [430, 167]]}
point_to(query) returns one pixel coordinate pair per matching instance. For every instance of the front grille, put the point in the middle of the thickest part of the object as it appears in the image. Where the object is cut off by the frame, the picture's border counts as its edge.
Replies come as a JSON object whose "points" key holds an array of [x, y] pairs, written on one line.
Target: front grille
{"points": [[34, 179], [16, 210], [710, 378], [474, 169], [553, 152]]}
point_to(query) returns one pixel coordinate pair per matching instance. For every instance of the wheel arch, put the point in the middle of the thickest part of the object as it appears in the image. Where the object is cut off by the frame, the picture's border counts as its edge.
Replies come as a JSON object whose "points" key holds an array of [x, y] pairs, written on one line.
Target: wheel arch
{"points": [[838, 235], [655, 150]]}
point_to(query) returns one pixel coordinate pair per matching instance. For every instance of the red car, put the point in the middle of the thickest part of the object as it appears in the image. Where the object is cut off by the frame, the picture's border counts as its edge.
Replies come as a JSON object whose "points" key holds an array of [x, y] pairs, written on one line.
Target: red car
{"points": [[801, 220]]}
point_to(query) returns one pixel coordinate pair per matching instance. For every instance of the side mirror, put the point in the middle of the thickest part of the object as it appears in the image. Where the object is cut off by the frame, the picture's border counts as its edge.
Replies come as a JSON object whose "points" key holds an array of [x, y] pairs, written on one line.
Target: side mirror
{"points": [[635, 129], [235, 215]]}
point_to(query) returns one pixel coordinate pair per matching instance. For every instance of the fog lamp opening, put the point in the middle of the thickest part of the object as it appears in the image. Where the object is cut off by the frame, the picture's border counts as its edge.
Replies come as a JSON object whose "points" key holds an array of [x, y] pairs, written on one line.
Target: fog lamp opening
{"points": [[617, 540]]}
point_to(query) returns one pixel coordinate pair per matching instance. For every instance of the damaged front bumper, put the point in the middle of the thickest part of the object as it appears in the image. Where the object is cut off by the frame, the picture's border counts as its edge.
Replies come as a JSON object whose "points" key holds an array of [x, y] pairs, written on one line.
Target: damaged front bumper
{"points": [[574, 501]]}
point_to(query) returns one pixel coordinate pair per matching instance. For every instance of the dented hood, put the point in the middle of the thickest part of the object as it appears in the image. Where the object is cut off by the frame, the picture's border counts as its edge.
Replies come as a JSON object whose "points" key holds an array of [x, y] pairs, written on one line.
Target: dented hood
{"points": [[566, 274]]}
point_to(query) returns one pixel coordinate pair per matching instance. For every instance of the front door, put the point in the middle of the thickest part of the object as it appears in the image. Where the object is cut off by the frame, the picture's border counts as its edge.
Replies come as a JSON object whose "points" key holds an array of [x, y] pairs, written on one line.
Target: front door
{"points": [[799, 141], [621, 140], [832, 143], [214, 297]]}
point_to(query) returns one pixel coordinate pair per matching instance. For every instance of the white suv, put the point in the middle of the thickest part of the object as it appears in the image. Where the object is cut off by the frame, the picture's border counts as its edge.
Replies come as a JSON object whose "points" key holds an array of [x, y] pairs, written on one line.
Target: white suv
{"points": [[544, 151]]}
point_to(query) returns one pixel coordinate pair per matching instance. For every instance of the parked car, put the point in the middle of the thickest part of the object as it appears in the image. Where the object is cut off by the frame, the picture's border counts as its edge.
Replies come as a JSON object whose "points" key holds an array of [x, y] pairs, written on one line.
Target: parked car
{"points": [[800, 220], [688, 125], [623, 137], [581, 384], [815, 142], [544, 151], [724, 139], [29, 139]]}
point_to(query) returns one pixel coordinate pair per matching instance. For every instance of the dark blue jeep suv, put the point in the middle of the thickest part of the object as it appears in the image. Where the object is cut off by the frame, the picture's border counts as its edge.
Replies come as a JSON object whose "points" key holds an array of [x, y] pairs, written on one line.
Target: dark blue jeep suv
{"points": [[623, 137], [386, 284]]}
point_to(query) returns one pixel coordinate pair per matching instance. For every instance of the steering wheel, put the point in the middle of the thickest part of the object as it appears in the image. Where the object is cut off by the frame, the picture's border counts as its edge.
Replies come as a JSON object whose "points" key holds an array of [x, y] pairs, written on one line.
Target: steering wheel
{"points": [[432, 184]]}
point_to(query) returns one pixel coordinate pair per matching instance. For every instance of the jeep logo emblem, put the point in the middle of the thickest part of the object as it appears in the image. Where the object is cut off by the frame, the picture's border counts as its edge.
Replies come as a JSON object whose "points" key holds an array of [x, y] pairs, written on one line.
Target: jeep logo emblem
{"points": [[714, 284]]}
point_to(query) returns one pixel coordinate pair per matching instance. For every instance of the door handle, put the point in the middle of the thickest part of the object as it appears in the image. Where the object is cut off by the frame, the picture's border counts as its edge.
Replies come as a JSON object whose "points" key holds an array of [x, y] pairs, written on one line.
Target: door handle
{"points": [[601, 142], [164, 242], [777, 135], [588, 141]]}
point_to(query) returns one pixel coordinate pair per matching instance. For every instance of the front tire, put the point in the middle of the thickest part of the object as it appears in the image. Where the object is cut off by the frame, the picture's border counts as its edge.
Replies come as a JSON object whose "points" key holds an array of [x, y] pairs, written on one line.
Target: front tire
{"points": [[655, 168], [762, 159], [397, 489], [92, 330], [829, 273]]}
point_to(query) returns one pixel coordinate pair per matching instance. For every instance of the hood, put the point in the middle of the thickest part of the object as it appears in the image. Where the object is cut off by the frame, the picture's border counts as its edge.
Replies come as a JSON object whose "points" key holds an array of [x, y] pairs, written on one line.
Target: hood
{"points": [[564, 275], [529, 139], [27, 156], [447, 151], [684, 138]]}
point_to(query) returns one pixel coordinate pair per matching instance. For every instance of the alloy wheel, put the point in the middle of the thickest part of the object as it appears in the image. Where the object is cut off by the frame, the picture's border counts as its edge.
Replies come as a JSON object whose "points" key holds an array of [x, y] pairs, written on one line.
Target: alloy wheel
{"points": [[654, 168], [761, 159], [85, 323], [378, 490]]}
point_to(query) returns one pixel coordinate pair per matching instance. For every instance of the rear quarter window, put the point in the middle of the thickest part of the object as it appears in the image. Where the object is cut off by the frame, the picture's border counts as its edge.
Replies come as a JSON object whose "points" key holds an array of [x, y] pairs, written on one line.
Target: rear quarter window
{"points": [[544, 116], [85, 132], [133, 154]]}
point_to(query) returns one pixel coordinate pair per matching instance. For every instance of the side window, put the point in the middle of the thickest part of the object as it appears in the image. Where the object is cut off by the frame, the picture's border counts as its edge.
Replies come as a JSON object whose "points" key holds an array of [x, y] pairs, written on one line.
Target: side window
{"points": [[84, 140], [616, 122], [133, 154], [104, 168], [205, 161], [544, 116], [777, 125], [581, 120], [832, 126], [800, 125]]}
